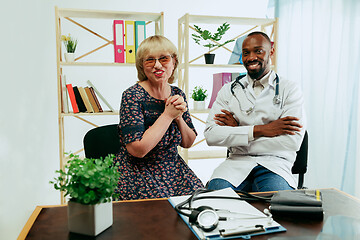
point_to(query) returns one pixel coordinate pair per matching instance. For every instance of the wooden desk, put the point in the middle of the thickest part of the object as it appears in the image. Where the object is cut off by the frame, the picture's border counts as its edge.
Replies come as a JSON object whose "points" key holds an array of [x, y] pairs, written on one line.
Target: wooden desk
{"points": [[156, 219]]}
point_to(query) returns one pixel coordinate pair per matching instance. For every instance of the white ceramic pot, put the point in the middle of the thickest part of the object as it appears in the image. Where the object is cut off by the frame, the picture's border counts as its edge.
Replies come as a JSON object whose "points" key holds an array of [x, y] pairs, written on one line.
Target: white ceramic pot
{"points": [[199, 105], [89, 219], [69, 57]]}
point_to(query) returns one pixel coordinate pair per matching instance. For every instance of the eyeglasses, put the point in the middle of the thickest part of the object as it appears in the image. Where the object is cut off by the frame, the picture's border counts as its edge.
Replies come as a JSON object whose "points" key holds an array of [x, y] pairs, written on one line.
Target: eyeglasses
{"points": [[150, 62]]}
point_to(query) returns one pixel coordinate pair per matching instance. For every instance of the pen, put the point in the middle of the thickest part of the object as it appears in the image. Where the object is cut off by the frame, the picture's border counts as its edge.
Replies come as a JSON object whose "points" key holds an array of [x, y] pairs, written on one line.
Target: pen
{"points": [[242, 230]]}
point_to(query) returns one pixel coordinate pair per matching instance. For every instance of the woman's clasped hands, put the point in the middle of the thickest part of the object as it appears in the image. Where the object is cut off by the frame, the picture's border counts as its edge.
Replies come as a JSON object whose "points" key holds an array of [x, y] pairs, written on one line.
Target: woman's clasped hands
{"points": [[175, 106]]}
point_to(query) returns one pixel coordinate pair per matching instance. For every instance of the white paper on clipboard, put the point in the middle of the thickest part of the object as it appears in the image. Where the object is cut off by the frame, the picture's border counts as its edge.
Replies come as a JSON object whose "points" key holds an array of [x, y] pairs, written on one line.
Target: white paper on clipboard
{"points": [[241, 213]]}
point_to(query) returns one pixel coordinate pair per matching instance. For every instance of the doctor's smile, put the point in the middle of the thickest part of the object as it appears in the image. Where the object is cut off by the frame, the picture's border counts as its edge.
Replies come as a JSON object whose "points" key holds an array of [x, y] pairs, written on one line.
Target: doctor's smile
{"points": [[253, 65]]}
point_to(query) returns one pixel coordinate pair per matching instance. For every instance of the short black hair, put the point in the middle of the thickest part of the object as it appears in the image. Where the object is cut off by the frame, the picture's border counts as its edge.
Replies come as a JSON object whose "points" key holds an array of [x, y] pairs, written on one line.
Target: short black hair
{"points": [[262, 34]]}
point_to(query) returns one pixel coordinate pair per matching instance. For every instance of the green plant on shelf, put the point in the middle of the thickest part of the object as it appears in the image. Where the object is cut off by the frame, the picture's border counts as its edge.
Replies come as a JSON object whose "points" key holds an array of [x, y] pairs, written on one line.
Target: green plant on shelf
{"points": [[69, 43], [211, 39], [199, 94]]}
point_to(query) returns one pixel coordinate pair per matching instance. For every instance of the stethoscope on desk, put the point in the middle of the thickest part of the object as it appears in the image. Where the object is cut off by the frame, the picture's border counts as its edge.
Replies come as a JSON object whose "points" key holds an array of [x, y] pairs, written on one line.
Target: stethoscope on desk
{"points": [[207, 218], [276, 99]]}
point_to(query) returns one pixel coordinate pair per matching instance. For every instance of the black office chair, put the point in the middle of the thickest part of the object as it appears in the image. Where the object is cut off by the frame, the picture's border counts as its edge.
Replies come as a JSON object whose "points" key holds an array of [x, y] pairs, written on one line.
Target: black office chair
{"points": [[300, 164], [101, 141]]}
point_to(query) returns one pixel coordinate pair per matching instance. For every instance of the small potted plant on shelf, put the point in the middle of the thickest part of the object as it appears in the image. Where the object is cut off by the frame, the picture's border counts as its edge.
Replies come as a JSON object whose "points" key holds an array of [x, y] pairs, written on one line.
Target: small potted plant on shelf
{"points": [[210, 39], [70, 46], [199, 95], [90, 184]]}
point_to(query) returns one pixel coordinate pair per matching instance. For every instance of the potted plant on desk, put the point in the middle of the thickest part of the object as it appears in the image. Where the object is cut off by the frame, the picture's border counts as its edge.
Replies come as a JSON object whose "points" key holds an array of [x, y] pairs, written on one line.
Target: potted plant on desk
{"points": [[211, 39], [199, 95], [90, 183]]}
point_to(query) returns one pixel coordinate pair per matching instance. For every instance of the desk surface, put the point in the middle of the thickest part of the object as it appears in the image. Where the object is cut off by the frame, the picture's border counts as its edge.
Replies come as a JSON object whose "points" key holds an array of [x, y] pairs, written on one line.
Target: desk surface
{"points": [[156, 219]]}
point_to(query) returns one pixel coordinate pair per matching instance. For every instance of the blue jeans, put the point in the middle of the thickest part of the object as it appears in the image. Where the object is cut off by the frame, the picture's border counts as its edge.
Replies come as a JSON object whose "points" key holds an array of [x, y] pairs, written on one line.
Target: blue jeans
{"points": [[259, 179]]}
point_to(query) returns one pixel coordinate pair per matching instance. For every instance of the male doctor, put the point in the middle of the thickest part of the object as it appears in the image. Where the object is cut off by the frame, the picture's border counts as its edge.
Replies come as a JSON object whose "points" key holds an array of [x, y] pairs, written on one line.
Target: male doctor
{"points": [[260, 119]]}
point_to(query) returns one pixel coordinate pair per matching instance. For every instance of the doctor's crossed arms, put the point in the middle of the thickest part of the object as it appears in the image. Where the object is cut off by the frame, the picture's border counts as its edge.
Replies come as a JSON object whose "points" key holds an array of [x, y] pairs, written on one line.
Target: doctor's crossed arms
{"points": [[282, 126]]}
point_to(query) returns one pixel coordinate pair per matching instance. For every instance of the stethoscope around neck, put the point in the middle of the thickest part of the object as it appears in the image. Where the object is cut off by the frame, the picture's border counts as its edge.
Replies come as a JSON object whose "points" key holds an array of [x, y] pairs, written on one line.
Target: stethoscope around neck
{"points": [[276, 99]]}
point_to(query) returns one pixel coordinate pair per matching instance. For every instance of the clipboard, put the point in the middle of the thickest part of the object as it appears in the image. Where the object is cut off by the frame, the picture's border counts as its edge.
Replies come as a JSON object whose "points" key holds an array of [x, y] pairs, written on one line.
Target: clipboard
{"points": [[239, 208]]}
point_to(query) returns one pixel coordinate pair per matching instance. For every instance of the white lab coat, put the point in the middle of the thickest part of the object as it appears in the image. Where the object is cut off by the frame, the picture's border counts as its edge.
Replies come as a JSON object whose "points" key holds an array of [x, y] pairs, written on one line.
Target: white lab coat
{"points": [[277, 153]]}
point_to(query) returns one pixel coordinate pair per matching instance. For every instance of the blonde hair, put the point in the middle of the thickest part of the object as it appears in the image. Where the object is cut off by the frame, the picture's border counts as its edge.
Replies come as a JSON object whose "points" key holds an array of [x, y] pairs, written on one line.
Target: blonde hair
{"points": [[152, 45]]}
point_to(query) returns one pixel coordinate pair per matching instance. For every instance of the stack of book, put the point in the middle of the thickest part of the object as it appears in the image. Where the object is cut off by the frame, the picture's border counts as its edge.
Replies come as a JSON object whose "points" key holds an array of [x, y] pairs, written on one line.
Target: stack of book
{"points": [[82, 99]]}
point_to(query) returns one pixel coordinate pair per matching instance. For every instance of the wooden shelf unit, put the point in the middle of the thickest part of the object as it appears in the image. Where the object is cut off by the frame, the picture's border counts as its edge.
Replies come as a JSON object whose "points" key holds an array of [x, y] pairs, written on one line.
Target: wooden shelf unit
{"points": [[72, 15], [185, 63]]}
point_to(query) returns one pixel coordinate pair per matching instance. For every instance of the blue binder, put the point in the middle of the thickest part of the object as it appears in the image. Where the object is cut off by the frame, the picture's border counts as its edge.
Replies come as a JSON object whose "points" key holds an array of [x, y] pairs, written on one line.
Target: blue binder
{"points": [[140, 33]]}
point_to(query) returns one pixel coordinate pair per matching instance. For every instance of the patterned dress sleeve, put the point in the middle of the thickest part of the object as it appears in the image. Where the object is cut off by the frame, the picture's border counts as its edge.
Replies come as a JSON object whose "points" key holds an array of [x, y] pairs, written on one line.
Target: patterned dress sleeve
{"points": [[131, 118]]}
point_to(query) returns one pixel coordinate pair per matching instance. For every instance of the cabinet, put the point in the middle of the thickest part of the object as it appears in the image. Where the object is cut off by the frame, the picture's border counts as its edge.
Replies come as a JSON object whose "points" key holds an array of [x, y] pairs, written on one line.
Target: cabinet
{"points": [[187, 62], [79, 18]]}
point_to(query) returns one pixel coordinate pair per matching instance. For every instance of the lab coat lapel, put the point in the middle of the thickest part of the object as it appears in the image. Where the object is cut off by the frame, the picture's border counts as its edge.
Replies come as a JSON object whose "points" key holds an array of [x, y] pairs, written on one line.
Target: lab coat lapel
{"points": [[250, 94]]}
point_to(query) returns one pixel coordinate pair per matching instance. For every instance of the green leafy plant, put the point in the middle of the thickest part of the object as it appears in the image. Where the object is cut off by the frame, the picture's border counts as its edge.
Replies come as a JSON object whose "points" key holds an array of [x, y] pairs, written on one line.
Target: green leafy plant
{"points": [[88, 181], [211, 39], [70, 43], [199, 94]]}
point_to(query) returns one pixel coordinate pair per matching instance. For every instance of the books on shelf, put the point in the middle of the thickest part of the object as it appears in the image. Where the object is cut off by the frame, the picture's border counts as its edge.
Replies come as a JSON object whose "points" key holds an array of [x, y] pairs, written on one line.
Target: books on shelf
{"points": [[79, 100], [64, 95], [91, 99], [86, 100], [219, 80], [72, 98], [100, 96], [83, 99], [96, 99]]}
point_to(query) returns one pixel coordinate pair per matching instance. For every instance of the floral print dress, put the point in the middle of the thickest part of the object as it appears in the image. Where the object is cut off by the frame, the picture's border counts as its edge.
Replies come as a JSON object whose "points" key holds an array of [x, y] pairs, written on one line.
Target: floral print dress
{"points": [[162, 172]]}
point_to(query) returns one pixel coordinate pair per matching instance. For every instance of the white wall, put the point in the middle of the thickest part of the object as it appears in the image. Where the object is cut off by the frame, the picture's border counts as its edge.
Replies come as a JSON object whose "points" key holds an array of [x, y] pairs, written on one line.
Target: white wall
{"points": [[29, 122]]}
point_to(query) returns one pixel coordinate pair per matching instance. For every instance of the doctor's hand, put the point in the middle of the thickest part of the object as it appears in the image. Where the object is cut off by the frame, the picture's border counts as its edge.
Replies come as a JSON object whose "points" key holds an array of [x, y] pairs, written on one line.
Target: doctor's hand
{"points": [[287, 125], [225, 119]]}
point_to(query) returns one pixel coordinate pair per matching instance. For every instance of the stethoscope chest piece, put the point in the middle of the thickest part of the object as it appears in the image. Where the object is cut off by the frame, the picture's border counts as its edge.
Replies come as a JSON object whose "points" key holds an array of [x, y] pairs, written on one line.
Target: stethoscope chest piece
{"points": [[208, 220], [276, 99]]}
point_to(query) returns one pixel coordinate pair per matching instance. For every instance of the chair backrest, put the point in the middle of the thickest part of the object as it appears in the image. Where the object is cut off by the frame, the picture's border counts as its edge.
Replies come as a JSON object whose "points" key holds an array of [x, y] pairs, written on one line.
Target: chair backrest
{"points": [[101, 141], [300, 164]]}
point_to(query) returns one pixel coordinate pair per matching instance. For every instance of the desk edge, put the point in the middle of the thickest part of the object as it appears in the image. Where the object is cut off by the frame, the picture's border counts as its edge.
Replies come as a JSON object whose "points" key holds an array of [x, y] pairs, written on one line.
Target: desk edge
{"points": [[24, 232]]}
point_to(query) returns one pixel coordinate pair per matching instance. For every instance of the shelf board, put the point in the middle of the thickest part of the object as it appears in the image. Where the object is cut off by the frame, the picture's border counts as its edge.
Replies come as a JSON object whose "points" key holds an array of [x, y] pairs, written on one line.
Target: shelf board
{"points": [[107, 14], [217, 65], [232, 20], [199, 111], [181, 66], [92, 64], [196, 155], [91, 114]]}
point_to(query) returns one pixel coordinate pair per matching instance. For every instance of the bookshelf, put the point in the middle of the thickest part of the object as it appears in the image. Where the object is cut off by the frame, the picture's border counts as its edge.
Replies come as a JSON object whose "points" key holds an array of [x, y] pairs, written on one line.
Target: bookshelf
{"points": [[79, 17], [185, 29]]}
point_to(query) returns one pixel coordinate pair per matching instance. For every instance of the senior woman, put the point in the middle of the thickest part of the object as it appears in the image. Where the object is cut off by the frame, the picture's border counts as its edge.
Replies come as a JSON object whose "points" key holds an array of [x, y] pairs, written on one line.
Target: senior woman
{"points": [[154, 121]]}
